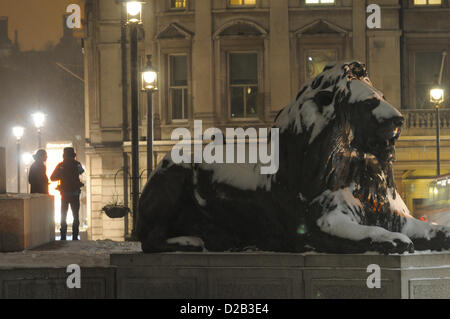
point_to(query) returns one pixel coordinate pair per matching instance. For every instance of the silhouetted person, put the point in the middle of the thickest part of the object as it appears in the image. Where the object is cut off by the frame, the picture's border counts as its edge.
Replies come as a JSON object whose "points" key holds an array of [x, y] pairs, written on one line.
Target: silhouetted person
{"points": [[68, 173], [37, 176]]}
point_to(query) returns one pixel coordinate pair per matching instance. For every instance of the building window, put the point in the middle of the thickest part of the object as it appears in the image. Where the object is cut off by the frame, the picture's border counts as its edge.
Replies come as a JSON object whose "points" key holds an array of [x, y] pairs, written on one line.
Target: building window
{"points": [[316, 60], [320, 1], [242, 3], [427, 68], [243, 84], [178, 87], [427, 2], [178, 4]]}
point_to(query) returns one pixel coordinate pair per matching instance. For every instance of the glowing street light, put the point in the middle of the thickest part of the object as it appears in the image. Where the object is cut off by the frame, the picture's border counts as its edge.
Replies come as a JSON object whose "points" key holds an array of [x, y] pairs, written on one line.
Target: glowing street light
{"points": [[27, 158], [134, 12], [39, 119], [18, 133], [437, 97], [149, 77], [149, 81]]}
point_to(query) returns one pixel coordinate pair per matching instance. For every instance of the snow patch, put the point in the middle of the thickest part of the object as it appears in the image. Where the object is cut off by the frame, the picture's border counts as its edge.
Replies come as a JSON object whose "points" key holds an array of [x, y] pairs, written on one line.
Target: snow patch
{"points": [[397, 204], [186, 241], [345, 225]]}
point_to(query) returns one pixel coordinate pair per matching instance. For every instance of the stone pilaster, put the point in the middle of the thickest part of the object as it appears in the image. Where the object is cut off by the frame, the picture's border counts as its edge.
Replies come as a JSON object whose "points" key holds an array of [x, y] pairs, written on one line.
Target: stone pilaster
{"points": [[203, 61], [280, 80], [359, 30]]}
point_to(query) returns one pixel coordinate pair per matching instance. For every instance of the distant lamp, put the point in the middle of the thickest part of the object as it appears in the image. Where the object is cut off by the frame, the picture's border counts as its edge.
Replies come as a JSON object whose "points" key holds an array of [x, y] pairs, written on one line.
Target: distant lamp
{"points": [[149, 77], [437, 95], [38, 119], [18, 132], [134, 12], [27, 158]]}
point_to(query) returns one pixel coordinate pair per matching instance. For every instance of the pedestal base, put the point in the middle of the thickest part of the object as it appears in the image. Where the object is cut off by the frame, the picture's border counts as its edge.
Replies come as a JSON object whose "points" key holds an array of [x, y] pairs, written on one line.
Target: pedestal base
{"points": [[285, 276], [26, 221]]}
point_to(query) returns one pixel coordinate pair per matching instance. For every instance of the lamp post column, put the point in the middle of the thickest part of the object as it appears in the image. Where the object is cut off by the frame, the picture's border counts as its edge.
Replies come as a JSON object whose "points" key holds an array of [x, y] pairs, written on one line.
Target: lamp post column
{"points": [[438, 142], [18, 166], [149, 133], [39, 138], [134, 122]]}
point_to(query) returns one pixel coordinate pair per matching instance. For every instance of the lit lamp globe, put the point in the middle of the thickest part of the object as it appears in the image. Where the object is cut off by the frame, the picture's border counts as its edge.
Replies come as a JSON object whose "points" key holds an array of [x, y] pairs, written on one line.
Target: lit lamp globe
{"points": [[18, 132], [27, 158], [437, 95], [38, 119], [149, 79], [134, 12]]}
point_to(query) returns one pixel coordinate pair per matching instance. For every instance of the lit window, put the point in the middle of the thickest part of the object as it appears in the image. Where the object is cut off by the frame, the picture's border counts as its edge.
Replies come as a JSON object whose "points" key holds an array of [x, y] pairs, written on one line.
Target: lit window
{"points": [[243, 84], [178, 4], [320, 1], [178, 87], [427, 2], [316, 60], [242, 2]]}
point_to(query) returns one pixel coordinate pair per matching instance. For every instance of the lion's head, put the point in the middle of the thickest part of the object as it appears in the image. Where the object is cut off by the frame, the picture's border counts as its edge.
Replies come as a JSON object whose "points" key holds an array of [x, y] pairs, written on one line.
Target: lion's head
{"points": [[335, 117]]}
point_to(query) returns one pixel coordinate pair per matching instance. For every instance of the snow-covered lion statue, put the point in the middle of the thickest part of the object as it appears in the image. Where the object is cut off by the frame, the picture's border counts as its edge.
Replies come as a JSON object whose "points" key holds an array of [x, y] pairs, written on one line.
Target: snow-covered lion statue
{"points": [[334, 190]]}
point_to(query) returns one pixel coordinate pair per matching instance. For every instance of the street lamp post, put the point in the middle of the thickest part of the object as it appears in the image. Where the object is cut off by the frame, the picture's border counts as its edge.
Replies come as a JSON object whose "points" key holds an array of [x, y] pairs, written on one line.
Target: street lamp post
{"points": [[18, 133], [27, 159], [437, 97], [149, 84], [39, 119], [134, 18]]}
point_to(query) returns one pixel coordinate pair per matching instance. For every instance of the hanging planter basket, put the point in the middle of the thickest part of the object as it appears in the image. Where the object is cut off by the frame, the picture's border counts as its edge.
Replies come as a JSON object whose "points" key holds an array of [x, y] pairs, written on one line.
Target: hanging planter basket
{"points": [[116, 211]]}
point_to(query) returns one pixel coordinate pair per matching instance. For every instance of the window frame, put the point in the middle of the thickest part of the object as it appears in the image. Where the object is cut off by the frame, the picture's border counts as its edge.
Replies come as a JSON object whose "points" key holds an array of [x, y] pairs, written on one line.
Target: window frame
{"points": [[421, 45], [242, 6], [306, 44], [229, 86], [173, 9], [427, 5], [183, 88], [320, 4]]}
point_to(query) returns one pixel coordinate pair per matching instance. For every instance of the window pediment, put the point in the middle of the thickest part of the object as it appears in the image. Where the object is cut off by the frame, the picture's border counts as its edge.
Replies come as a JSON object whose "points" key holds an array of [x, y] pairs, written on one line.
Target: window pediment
{"points": [[320, 27], [175, 31], [244, 28]]}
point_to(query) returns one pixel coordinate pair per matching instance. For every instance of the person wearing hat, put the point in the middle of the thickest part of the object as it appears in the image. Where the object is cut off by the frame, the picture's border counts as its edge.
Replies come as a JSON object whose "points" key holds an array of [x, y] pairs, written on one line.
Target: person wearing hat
{"points": [[68, 174], [37, 176]]}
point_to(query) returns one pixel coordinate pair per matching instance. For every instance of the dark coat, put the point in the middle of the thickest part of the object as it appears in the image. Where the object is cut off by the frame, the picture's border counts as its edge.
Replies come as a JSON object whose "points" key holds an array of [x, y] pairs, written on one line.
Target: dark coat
{"points": [[38, 178], [68, 173]]}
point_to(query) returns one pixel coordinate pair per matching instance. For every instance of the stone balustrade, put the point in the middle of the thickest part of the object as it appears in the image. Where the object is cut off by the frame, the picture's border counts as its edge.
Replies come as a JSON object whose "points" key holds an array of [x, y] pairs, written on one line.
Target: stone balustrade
{"points": [[425, 119]]}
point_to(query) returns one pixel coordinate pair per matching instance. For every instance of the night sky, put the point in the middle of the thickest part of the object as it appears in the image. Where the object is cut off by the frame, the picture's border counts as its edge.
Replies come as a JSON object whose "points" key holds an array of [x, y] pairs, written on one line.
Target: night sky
{"points": [[38, 22]]}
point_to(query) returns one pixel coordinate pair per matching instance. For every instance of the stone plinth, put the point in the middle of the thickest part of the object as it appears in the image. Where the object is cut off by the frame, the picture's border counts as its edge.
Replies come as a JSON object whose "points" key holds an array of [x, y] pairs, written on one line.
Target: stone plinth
{"points": [[26, 221], [286, 276]]}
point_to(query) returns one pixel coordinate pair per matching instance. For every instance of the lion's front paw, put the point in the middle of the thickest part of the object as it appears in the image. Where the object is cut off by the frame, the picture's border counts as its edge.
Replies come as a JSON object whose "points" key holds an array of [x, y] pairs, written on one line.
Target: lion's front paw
{"points": [[440, 241], [396, 245]]}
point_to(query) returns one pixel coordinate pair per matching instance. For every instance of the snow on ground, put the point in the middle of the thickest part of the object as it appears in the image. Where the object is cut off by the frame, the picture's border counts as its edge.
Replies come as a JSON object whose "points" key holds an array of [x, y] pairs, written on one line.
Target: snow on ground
{"points": [[63, 253]]}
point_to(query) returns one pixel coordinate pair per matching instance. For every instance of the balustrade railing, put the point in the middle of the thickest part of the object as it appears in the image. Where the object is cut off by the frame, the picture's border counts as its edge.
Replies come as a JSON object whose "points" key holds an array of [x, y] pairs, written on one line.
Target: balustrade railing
{"points": [[425, 119]]}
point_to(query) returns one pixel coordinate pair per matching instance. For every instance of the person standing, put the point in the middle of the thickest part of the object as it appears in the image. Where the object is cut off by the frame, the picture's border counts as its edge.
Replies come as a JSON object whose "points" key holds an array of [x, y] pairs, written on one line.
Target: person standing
{"points": [[37, 176], [68, 174]]}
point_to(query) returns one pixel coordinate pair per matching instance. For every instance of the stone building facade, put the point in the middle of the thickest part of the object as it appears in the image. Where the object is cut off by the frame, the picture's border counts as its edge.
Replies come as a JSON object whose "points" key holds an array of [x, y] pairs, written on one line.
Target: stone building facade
{"points": [[238, 62]]}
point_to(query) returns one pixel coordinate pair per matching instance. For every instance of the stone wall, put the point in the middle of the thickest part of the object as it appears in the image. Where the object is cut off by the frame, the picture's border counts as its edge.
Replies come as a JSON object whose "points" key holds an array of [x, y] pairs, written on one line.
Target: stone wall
{"points": [[236, 276]]}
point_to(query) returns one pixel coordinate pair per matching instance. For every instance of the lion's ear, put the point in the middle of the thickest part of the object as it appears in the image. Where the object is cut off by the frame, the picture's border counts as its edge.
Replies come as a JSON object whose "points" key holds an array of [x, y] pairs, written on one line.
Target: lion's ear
{"points": [[323, 98]]}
